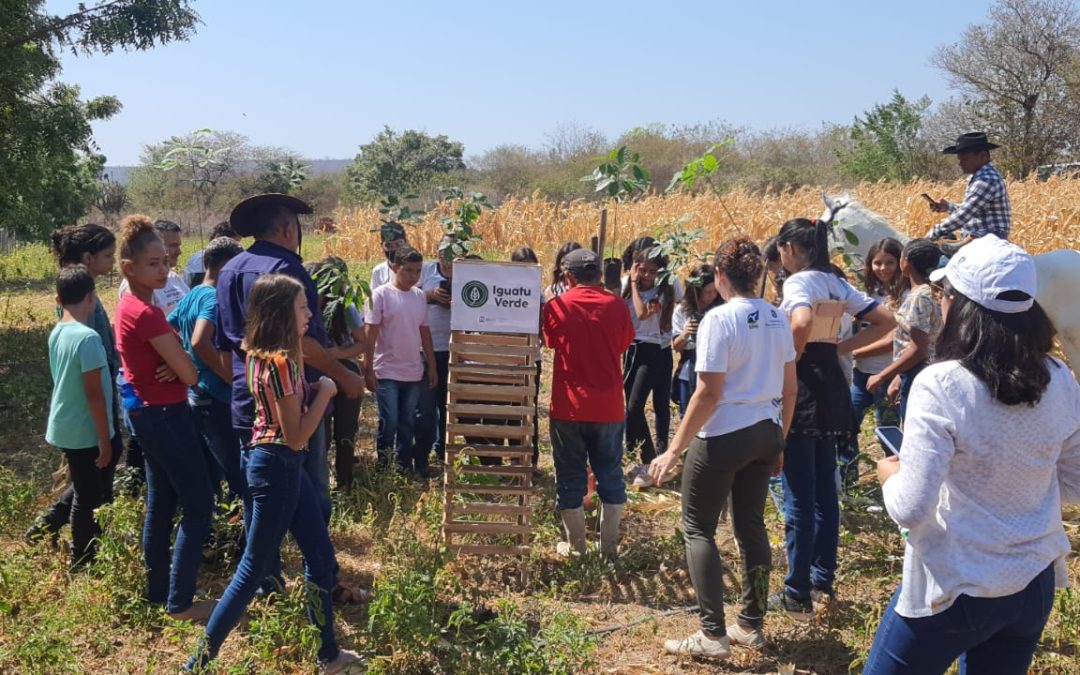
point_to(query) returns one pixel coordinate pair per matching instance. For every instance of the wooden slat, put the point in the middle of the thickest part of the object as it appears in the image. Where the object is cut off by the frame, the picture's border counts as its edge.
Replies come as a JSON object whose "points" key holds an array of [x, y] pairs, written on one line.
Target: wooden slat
{"points": [[492, 350], [485, 470], [480, 527], [485, 369], [512, 379], [494, 489], [485, 411], [491, 359], [490, 393], [489, 430], [481, 549], [482, 509], [507, 451], [461, 337]]}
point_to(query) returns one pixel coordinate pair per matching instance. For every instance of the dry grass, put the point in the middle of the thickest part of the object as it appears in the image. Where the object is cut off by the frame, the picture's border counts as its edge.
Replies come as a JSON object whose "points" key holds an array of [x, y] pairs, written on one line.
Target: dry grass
{"points": [[1046, 215]]}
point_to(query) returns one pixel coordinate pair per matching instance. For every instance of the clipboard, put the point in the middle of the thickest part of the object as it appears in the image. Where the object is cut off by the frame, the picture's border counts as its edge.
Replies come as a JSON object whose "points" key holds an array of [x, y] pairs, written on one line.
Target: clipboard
{"points": [[826, 322]]}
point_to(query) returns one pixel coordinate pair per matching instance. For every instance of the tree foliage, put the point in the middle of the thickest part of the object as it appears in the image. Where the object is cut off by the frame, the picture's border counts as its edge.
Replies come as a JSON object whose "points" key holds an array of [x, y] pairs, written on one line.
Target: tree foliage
{"points": [[1019, 75], [397, 163], [49, 166], [886, 141]]}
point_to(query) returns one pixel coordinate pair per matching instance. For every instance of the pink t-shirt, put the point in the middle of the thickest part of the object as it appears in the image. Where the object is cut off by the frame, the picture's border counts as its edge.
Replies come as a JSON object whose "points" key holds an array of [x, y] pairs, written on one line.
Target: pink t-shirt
{"points": [[399, 315]]}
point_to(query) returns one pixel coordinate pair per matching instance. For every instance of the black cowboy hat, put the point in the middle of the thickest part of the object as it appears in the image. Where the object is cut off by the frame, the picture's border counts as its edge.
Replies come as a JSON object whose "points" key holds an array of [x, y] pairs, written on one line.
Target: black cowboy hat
{"points": [[972, 142], [241, 216]]}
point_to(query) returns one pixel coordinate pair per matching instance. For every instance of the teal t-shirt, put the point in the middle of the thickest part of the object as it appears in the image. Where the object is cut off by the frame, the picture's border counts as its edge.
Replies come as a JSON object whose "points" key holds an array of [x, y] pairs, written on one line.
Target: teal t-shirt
{"points": [[200, 303], [75, 349]]}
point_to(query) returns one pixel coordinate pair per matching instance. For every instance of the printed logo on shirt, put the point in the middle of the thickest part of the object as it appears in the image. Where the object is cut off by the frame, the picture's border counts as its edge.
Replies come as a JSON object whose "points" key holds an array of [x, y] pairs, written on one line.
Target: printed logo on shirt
{"points": [[752, 319], [474, 294]]}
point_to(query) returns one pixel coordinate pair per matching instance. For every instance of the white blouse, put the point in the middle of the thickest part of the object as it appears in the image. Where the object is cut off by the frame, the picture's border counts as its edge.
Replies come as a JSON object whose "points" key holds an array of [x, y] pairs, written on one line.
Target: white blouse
{"points": [[980, 487]]}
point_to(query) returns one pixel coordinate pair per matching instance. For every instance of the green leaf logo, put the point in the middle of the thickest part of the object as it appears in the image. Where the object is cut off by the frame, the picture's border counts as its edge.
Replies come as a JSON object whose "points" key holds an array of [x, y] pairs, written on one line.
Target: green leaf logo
{"points": [[474, 294]]}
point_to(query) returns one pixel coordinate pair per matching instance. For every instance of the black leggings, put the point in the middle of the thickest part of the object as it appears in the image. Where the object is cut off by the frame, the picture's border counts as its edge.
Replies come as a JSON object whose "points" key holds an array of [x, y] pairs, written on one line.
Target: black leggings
{"points": [[647, 370], [346, 422]]}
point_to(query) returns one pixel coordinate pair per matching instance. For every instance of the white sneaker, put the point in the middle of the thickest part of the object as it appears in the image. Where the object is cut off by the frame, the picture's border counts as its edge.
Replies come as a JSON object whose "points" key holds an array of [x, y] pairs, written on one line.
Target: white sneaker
{"points": [[347, 661], [642, 479], [700, 645], [747, 637]]}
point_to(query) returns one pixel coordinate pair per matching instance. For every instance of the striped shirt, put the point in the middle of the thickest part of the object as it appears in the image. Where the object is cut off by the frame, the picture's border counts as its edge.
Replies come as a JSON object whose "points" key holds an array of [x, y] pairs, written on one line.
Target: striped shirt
{"points": [[269, 380], [985, 210]]}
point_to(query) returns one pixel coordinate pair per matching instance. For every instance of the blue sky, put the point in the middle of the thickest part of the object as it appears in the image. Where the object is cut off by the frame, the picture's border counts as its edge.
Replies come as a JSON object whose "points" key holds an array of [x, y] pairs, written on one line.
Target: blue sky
{"points": [[323, 76]]}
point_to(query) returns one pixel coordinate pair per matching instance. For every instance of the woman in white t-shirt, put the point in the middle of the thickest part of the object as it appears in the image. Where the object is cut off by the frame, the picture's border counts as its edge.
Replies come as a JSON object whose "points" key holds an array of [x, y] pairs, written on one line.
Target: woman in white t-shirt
{"points": [[823, 411], [734, 428], [991, 450]]}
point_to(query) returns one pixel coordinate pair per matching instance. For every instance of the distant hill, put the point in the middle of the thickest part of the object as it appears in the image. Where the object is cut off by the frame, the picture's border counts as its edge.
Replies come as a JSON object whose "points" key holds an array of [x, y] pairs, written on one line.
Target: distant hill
{"points": [[120, 174]]}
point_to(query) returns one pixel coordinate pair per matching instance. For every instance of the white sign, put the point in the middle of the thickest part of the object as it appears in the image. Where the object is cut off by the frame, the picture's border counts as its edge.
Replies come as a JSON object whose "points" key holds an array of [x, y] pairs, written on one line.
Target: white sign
{"points": [[495, 297]]}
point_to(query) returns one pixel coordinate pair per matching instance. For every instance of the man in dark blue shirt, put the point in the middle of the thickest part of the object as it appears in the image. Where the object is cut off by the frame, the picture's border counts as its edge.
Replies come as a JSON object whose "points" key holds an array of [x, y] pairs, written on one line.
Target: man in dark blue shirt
{"points": [[272, 220]]}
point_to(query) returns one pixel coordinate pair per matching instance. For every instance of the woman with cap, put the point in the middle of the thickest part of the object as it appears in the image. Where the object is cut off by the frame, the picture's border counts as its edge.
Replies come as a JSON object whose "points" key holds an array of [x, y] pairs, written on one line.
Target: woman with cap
{"points": [[990, 453], [823, 412]]}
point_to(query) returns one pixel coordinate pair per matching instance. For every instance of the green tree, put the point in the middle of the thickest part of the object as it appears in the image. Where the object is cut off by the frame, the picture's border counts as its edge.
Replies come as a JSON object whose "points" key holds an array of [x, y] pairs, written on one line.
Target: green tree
{"points": [[1018, 75], [886, 143], [50, 165], [398, 163]]}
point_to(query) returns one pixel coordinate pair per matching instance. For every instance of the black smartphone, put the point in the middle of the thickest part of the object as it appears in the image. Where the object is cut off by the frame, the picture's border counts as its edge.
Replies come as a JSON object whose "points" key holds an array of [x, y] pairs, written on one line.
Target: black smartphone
{"points": [[891, 439], [929, 198], [445, 285]]}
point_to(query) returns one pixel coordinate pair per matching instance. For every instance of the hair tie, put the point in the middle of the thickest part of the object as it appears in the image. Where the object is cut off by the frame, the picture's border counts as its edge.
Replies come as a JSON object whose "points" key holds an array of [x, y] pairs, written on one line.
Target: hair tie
{"points": [[814, 222]]}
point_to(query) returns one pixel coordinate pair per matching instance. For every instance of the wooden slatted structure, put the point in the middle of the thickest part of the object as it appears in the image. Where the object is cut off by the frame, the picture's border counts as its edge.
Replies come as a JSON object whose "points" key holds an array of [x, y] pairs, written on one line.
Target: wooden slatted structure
{"points": [[489, 444]]}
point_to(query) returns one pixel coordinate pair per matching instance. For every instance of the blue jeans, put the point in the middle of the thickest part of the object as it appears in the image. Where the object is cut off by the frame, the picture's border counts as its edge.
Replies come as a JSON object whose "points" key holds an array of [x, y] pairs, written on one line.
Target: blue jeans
{"points": [[284, 500], [213, 419], [431, 410], [861, 401], [317, 466], [597, 444], [995, 636], [397, 402], [811, 514], [906, 380], [176, 477]]}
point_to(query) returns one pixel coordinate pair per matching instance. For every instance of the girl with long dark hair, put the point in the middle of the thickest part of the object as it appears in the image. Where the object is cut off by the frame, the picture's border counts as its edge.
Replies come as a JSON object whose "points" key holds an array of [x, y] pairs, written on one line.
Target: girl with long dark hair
{"points": [[991, 450], [812, 294]]}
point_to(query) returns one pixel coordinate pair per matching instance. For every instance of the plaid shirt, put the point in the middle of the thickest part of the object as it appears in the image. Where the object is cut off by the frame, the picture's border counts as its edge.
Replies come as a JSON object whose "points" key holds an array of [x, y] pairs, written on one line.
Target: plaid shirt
{"points": [[985, 209]]}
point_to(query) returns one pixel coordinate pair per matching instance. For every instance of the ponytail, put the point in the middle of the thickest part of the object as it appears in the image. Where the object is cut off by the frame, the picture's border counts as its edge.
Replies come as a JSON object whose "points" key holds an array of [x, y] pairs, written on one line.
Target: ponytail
{"points": [[71, 242], [812, 236]]}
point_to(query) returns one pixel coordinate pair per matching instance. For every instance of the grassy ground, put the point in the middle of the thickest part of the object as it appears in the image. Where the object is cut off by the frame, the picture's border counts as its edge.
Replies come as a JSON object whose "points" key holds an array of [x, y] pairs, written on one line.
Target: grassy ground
{"points": [[432, 613]]}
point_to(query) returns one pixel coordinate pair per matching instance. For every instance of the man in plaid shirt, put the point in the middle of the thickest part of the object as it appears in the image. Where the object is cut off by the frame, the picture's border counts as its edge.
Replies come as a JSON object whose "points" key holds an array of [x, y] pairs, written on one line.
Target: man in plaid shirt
{"points": [[986, 207]]}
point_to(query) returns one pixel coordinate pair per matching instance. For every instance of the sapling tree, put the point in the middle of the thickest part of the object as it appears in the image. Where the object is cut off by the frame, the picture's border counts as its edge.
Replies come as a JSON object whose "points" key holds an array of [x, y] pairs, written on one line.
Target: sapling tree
{"points": [[676, 242], [460, 222], [341, 289], [621, 178]]}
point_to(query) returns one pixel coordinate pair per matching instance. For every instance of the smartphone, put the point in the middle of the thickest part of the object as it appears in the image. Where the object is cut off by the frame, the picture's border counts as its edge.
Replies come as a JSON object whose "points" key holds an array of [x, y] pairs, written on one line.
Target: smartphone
{"points": [[891, 439], [929, 198]]}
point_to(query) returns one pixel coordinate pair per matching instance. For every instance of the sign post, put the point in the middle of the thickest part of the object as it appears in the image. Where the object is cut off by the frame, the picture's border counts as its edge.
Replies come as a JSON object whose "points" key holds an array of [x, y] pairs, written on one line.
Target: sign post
{"points": [[491, 412]]}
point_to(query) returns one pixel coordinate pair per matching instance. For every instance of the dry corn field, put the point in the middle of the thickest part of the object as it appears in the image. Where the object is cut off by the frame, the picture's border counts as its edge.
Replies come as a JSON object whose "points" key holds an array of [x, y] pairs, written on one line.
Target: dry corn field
{"points": [[1046, 215]]}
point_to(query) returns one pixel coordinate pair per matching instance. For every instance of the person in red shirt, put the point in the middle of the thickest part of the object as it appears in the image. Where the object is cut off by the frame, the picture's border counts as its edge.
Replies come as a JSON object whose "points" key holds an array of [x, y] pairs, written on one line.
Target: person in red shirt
{"points": [[177, 476], [589, 329]]}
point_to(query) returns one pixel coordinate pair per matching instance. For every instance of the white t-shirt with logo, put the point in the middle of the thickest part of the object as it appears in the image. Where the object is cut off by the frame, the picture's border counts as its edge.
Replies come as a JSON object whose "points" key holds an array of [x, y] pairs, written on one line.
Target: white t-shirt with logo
{"points": [[749, 341]]}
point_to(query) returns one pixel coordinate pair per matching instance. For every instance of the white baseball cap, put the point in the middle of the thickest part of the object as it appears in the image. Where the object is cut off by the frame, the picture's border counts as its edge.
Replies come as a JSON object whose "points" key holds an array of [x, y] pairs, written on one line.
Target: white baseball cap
{"points": [[988, 267]]}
